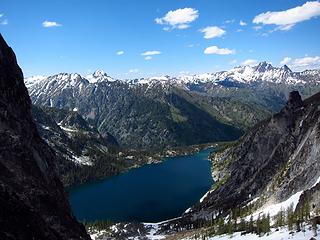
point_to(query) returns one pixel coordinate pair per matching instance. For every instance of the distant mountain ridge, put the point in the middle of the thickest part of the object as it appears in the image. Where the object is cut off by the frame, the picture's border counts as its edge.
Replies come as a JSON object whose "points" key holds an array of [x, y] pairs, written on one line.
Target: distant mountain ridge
{"points": [[174, 111], [244, 74]]}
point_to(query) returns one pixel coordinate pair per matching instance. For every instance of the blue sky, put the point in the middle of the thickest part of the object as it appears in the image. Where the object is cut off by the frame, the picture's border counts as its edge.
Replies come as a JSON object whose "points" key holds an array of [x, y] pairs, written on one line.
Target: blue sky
{"points": [[129, 39]]}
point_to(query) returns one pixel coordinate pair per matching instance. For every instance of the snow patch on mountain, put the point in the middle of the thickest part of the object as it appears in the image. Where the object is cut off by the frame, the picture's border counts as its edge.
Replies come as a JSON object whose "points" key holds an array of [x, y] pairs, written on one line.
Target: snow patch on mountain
{"points": [[275, 234]]}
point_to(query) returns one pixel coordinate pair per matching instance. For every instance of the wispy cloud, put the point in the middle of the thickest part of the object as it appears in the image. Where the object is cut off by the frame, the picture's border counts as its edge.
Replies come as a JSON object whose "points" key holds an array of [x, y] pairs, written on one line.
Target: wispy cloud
{"points": [[180, 18], [285, 20], [134, 70], [148, 58], [219, 51], [250, 62], [285, 61], [242, 23], [3, 21], [256, 28], [300, 64], [212, 32], [229, 21], [48, 24], [120, 52], [150, 53]]}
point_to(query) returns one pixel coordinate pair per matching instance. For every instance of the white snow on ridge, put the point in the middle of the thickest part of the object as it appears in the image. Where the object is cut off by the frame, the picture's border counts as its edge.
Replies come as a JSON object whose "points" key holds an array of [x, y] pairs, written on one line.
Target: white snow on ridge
{"points": [[273, 209], [83, 160], [33, 80], [205, 195], [99, 76], [318, 180], [262, 72]]}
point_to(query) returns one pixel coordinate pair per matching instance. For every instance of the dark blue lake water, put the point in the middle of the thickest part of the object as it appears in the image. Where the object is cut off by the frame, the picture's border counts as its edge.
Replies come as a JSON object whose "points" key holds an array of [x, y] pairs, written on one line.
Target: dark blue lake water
{"points": [[151, 193]]}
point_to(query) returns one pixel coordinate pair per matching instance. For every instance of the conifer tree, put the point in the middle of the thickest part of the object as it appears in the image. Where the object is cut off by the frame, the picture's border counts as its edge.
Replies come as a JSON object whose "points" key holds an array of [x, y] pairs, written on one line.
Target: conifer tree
{"points": [[290, 217]]}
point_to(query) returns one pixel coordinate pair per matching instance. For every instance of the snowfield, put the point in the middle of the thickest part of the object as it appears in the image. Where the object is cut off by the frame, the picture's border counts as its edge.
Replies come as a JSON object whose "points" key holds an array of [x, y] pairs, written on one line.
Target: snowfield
{"points": [[283, 234]]}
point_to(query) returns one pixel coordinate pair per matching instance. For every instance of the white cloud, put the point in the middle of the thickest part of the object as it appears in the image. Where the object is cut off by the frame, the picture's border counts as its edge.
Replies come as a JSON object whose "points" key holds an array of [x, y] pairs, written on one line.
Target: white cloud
{"points": [[134, 70], [212, 32], [300, 64], [219, 51], [234, 61], [242, 23], [48, 24], [285, 61], [1, 15], [229, 21], [120, 52], [179, 18], [306, 63], [288, 18], [150, 53], [250, 62], [148, 58]]}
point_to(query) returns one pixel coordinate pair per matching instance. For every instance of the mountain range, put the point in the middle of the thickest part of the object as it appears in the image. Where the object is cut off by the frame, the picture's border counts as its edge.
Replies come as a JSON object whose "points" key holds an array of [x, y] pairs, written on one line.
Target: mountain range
{"points": [[174, 111]]}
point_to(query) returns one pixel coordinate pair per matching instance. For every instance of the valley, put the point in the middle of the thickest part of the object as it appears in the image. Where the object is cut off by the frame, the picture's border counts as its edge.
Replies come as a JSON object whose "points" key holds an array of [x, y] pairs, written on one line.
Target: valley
{"points": [[94, 123], [149, 120]]}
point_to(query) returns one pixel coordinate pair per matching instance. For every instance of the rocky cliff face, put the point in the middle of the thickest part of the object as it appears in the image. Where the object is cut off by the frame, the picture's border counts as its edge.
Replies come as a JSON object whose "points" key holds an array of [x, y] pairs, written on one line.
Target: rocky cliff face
{"points": [[33, 204], [277, 158]]}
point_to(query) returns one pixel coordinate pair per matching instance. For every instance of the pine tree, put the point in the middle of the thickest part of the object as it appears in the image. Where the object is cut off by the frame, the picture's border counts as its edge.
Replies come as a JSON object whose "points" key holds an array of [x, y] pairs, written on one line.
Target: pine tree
{"points": [[230, 227], [242, 225], [290, 217], [280, 218], [251, 228], [221, 226], [258, 223], [267, 224]]}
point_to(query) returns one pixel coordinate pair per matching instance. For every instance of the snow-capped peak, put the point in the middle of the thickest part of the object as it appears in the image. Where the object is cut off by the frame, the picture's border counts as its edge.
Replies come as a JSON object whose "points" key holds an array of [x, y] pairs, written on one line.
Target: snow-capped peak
{"points": [[263, 67], [99, 76]]}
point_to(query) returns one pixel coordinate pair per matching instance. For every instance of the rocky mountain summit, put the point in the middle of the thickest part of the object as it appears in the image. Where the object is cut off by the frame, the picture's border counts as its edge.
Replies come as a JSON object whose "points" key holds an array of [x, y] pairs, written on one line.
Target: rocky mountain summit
{"points": [[33, 204]]}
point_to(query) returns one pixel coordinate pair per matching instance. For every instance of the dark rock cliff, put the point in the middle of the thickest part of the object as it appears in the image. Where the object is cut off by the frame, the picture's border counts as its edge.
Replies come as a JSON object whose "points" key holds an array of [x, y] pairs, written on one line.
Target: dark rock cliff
{"points": [[274, 160], [33, 204]]}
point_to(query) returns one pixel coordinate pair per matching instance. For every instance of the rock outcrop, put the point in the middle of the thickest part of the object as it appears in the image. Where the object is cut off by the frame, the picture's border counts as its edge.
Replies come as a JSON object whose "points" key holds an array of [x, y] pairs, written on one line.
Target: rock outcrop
{"points": [[33, 204]]}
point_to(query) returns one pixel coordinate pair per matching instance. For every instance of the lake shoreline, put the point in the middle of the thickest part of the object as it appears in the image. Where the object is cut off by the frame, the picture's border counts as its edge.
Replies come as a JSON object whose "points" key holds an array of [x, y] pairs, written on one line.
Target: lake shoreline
{"points": [[183, 179], [149, 158]]}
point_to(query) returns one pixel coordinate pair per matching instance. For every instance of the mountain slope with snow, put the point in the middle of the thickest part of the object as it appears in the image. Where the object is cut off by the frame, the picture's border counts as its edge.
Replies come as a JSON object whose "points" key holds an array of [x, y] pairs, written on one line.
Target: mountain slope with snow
{"points": [[272, 165]]}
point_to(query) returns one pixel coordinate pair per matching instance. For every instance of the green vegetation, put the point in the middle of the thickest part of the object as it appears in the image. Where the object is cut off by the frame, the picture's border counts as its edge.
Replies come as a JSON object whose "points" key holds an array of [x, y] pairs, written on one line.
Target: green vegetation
{"points": [[98, 224], [177, 116], [241, 220]]}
